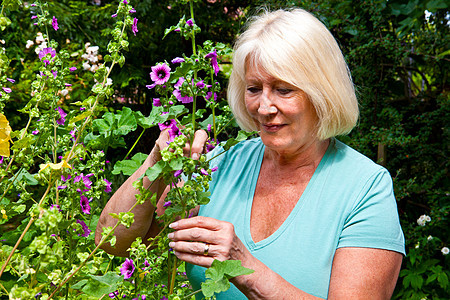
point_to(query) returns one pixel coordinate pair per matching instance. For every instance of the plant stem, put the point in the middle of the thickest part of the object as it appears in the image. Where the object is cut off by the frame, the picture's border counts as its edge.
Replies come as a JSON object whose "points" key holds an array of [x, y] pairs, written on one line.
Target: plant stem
{"points": [[135, 143], [26, 229]]}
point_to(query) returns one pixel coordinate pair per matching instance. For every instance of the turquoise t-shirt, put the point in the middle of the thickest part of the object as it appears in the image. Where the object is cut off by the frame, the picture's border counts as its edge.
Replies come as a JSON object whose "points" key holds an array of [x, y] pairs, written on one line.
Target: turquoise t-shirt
{"points": [[349, 202]]}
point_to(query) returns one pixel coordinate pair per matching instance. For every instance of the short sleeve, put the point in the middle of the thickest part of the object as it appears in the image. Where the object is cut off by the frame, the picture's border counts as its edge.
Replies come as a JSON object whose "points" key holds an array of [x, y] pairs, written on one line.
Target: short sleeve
{"points": [[373, 221]]}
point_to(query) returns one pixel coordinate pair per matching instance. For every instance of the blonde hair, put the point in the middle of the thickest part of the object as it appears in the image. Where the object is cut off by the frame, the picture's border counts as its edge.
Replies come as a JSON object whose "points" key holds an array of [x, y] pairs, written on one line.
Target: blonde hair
{"points": [[294, 46]]}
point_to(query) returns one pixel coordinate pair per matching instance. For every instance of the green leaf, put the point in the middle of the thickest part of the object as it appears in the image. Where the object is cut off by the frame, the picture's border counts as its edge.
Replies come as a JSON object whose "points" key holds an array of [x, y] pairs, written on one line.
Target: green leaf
{"points": [[79, 284], [129, 166], [126, 122], [219, 273], [443, 280], [242, 136], [24, 175], [154, 172]]}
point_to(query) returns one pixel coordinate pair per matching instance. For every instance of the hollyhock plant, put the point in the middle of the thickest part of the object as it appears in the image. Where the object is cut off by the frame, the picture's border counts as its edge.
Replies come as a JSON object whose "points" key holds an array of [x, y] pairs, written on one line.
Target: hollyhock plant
{"points": [[156, 102], [86, 230], [84, 203], [55, 23], [8, 90], [167, 124], [213, 56], [174, 131], [127, 268], [46, 51], [134, 26], [160, 73], [62, 115], [177, 60], [108, 186]]}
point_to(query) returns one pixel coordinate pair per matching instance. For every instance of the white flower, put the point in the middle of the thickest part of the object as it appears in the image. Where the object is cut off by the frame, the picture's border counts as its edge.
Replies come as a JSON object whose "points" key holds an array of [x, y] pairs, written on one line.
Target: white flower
{"points": [[421, 221], [29, 44], [108, 81], [2, 41], [39, 38], [445, 250], [64, 92], [86, 66], [429, 238], [417, 245]]}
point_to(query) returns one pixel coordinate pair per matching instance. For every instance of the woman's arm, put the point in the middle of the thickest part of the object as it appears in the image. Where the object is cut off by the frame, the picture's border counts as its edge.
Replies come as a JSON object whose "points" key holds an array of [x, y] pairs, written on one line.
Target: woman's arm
{"points": [[357, 273], [124, 198]]}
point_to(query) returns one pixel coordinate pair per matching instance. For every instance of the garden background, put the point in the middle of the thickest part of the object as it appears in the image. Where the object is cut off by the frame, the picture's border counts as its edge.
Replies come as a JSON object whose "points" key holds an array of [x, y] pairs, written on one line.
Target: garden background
{"points": [[398, 54]]}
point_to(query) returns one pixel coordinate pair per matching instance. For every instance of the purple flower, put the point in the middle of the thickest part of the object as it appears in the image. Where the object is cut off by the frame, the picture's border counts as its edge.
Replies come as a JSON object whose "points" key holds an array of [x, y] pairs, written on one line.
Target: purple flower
{"points": [[125, 2], [113, 294], [167, 204], [209, 95], [62, 115], [46, 51], [71, 69], [160, 73], [150, 86], [174, 131], [33, 17], [64, 179], [204, 172], [156, 102], [8, 90], [86, 230], [208, 128], [55, 23], [55, 73], [134, 26], [113, 15], [177, 60], [132, 11], [183, 99], [177, 173], [190, 23], [213, 57], [167, 124], [67, 84], [84, 203], [108, 186], [164, 298], [200, 84], [214, 169], [10, 80], [34, 132], [127, 268]]}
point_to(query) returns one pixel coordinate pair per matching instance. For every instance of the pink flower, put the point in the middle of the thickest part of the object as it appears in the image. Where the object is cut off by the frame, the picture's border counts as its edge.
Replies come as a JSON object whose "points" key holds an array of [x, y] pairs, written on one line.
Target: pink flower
{"points": [[134, 26], [108, 186], [62, 115], [156, 102], [84, 203], [127, 268], [177, 60], [55, 23], [214, 64], [160, 73]]}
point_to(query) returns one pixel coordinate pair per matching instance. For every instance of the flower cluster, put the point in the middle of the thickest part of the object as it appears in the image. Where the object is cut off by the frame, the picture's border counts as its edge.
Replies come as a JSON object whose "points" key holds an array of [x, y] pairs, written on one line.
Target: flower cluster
{"points": [[91, 58], [423, 219]]}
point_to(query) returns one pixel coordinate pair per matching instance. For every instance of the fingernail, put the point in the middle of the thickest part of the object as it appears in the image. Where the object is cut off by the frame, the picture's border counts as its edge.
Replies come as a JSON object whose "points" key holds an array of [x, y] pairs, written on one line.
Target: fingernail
{"points": [[170, 235], [195, 156], [173, 225], [175, 252], [172, 244]]}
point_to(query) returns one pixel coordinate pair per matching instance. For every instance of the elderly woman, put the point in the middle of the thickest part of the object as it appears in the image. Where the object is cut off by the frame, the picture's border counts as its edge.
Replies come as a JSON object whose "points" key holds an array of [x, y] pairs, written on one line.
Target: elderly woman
{"points": [[312, 217]]}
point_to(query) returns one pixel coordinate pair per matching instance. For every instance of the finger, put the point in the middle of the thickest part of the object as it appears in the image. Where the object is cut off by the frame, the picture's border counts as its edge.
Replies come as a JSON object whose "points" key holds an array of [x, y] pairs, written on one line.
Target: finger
{"points": [[201, 222], [195, 259], [192, 248], [195, 234], [200, 138]]}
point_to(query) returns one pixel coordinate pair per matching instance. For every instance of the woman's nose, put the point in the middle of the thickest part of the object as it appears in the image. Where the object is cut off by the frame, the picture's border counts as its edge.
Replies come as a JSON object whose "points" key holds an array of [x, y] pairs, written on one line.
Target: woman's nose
{"points": [[266, 106]]}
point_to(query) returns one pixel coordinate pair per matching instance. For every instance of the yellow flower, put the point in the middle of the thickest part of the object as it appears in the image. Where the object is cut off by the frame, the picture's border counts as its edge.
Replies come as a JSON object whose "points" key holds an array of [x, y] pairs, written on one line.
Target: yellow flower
{"points": [[5, 136], [60, 165]]}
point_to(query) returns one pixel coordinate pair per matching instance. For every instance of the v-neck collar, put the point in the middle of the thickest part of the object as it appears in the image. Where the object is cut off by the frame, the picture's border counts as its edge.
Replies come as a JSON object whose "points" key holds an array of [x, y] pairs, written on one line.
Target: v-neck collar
{"points": [[251, 245]]}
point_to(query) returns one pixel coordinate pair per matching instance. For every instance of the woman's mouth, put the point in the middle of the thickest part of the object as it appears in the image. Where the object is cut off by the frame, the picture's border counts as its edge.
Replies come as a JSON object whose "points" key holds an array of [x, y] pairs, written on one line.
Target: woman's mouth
{"points": [[272, 127]]}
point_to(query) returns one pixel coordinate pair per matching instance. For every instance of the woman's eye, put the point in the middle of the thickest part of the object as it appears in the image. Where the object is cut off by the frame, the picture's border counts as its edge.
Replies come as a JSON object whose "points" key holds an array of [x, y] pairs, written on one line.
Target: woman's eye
{"points": [[253, 90], [284, 91]]}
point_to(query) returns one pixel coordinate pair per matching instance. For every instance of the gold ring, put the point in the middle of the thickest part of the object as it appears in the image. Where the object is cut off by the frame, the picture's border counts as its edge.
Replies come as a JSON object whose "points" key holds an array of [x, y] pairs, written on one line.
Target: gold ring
{"points": [[206, 250]]}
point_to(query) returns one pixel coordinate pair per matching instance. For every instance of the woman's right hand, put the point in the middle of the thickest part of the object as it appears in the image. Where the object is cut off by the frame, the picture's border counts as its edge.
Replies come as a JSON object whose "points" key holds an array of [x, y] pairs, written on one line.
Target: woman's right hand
{"points": [[198, 145]]}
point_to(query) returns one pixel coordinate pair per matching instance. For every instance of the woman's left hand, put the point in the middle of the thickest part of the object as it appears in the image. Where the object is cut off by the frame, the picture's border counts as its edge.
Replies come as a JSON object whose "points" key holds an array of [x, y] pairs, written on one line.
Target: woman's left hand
{"points": [[200, 240]]}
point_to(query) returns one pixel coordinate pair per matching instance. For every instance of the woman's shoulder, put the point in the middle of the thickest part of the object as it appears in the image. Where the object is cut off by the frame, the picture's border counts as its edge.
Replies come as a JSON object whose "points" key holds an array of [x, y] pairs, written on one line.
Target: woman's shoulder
{"points": [[347, 158]]}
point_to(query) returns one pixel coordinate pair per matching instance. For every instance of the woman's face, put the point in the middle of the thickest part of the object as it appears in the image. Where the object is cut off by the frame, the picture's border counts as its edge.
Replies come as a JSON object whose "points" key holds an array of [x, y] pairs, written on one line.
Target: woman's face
{"points": [[282, 112]]}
